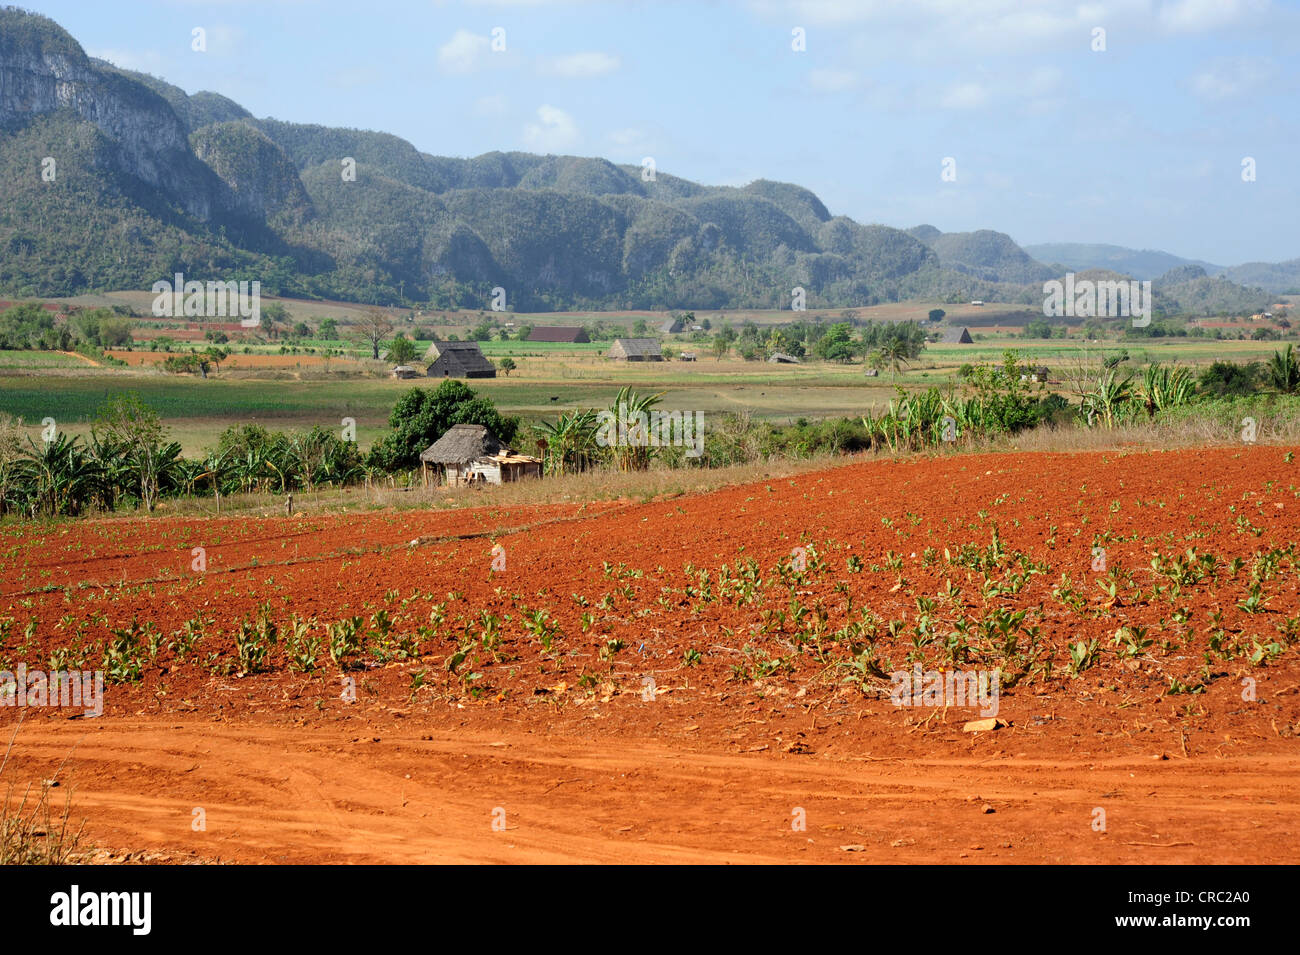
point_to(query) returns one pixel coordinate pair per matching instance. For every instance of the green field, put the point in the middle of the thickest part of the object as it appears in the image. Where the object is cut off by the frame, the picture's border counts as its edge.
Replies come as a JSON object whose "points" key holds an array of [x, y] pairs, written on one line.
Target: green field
{"points": [[40, 359], [549, 378]]}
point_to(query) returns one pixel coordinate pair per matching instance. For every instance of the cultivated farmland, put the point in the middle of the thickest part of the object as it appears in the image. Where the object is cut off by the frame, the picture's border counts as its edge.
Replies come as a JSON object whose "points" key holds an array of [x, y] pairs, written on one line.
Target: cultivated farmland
{"points": [[664, 679]]}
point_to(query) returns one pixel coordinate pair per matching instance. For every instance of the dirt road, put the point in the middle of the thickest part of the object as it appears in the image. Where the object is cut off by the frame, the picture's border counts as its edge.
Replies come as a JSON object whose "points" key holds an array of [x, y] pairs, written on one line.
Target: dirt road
{"points": [[277, 794]]}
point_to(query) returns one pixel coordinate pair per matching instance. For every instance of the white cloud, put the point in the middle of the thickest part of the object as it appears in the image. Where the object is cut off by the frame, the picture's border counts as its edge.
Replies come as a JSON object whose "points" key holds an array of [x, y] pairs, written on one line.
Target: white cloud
{"points": [[465, 52], [1230, 78], [555, 131], [974, 28], [577, 65], [1199, 16], [964, 96], [832, 81]]}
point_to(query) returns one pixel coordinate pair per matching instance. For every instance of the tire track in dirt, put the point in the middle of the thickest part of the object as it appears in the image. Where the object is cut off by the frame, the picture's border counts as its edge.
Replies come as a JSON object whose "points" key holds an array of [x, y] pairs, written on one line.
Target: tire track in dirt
{"points": [[290, 794]]}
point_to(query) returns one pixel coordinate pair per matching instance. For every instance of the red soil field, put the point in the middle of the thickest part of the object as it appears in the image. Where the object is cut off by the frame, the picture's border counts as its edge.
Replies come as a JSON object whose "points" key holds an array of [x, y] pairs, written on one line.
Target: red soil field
{"points": [[609, 695]]}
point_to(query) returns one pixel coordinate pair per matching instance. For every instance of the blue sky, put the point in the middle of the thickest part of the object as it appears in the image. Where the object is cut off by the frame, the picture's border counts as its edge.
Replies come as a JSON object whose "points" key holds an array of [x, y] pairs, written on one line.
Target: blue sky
{"points": [[1140, 144]]}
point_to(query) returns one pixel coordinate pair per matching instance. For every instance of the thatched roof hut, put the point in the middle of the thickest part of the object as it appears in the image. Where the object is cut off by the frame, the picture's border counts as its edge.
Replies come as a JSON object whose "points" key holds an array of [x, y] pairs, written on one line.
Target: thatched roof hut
{"points": [[559, 333], [956, 336], [635, 349], [471, 454], [781, 358], [458, 360], [462, 443]]}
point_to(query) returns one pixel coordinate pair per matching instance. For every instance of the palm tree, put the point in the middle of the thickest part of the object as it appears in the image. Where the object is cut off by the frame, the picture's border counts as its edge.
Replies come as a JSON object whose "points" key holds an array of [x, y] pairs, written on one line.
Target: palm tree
{"points": [[1284, 371], [570, 443], [896, 353], [633, 451]]}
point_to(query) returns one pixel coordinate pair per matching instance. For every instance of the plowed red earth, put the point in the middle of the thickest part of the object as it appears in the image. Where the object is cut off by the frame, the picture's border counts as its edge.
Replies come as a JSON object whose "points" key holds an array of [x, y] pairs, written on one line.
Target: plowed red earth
{"points": [[1184, 749]]}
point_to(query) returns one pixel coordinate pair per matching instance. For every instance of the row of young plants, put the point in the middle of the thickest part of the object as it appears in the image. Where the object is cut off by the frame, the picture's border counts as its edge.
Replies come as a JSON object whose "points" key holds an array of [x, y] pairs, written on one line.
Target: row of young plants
{"points": [[949, 632], [799, 612]]}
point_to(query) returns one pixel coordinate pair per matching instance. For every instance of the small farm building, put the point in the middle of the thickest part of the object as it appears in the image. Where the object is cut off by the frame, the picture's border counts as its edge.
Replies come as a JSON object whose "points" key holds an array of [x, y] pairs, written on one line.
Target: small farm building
{"points": [[469, 454], [558, 333], [635, 349], [458, 360]]}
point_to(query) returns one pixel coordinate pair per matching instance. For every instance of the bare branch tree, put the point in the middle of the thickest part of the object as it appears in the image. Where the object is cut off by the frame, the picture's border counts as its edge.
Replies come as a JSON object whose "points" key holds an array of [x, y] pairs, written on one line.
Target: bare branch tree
{"points": [[374, 328]]}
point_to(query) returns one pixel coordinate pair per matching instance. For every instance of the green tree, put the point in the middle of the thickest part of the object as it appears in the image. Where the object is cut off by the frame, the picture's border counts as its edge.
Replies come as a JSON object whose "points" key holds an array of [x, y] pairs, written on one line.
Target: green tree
{"points": [[722, 341], [1225, 379], [837, 344], [328, 329], [129, 434], [422, 415], [274, 315], [402, 350], [507, 365], [937, 314]]}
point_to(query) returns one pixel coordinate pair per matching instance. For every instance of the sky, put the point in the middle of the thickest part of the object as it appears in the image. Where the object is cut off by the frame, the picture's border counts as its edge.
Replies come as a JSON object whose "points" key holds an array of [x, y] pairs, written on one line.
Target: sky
{"points": [[1156, 124]]}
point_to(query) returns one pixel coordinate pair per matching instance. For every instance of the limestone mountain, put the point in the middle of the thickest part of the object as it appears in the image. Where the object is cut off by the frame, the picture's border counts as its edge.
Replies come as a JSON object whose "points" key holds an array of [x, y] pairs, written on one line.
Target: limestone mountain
{"points": [[117, 179]]}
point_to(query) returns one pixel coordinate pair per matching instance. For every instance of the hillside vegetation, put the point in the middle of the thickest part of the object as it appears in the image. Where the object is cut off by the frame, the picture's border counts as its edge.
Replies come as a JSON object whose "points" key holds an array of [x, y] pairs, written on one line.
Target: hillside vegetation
{"points": [[149, 181]]}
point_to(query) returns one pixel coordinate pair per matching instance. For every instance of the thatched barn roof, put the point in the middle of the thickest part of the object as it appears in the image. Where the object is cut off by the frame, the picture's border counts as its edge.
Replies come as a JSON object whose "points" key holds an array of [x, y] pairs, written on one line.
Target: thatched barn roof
{"points": [[458, 360], [956, 336], [636, 349], [463, 443], [558, 333]]}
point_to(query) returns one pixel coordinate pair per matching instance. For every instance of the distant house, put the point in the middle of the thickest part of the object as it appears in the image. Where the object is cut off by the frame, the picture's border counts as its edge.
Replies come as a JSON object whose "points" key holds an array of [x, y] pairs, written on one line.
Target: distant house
{"points": [[977, 302], [405, 371], [673, 326], [635, 349], [558, 333], [470, 454], [956, 336], [781, 358], [458, 360]]}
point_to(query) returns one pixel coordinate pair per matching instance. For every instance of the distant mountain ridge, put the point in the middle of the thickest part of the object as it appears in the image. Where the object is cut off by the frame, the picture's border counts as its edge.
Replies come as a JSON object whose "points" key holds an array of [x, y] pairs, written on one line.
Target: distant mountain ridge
{"points": [[151, 180], [1141, 264]]}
